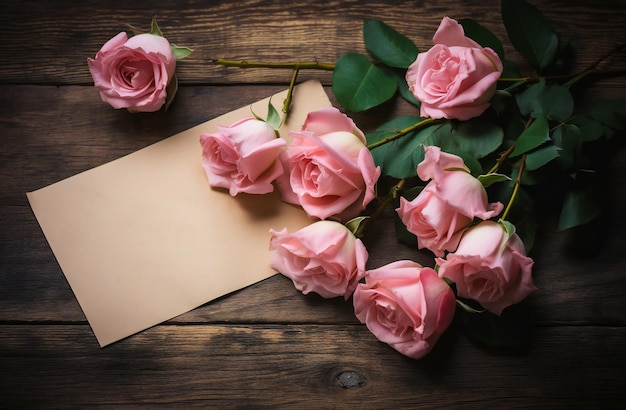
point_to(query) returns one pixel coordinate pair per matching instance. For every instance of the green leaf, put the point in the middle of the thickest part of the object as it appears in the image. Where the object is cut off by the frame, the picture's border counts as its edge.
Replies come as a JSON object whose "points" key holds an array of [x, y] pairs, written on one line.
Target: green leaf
{"points": [[354, 223], [590, 128], [180, 52], [612, 113], [469, 160], [541, 156], [530, 32], [510, 70], [490, 179], [390, 128], [399, 158], [471, 140], [568, 138], [482, 36], [552, 100], [502, 102], [358, 85], [411, 150], [387, 45], [476, 137], [580, 206], [527, 230], [403, 88], [154, 28], [273, 117], [532, 137], [412, 193], [386, 156], [509, 228]]}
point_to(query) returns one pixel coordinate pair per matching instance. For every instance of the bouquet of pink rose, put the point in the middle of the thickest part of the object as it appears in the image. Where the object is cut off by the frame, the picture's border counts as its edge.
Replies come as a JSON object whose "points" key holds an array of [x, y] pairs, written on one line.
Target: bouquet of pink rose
{"points": [[462, 175], [466, 175], [329, 171]]}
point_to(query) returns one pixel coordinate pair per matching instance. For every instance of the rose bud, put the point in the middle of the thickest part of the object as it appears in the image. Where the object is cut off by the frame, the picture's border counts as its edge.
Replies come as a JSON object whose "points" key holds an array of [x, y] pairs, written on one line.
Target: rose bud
{"points": [[324, 257], [406, 306], [242, 157], [490, 267]]}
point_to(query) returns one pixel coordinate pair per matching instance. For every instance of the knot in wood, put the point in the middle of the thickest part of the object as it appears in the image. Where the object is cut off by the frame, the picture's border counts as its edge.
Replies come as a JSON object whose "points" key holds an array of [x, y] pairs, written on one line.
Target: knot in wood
{"points": [[349, 379]]}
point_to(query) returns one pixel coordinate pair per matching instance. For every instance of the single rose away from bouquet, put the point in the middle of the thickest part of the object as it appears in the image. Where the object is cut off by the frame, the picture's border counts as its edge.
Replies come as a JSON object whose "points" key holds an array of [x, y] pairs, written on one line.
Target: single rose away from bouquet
{"points": [[136, 72]]}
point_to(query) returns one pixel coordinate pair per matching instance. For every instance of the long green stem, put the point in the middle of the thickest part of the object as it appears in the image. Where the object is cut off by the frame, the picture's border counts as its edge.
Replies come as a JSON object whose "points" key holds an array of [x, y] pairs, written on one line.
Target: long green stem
{"points": [[501, 159], [518, 182], [571, 78], [515, 79], [287, 102], [508, 152], [403, 132], [593, 67], [305, 65]]}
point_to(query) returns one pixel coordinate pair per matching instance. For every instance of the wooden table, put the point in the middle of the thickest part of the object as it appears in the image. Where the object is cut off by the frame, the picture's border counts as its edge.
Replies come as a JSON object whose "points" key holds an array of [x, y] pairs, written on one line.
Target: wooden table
{"points": [[268, 345]]}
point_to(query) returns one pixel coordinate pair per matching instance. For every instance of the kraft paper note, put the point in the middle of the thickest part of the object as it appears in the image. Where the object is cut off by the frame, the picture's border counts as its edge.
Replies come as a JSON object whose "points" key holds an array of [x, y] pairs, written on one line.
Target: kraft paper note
{"points": [[144, 238]]}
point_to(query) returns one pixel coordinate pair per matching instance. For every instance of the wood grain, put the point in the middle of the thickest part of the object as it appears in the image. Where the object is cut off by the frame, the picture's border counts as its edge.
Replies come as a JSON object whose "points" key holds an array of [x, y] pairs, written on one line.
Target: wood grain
{"points": [[53, 45], [304, 366], [268, 345]]}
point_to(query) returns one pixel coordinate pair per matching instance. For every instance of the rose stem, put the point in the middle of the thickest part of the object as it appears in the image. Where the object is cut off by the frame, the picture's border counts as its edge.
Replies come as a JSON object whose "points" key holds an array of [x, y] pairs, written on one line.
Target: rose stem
{"points": [[518, 182], [287, 102], [307, 65], [401, 133]]}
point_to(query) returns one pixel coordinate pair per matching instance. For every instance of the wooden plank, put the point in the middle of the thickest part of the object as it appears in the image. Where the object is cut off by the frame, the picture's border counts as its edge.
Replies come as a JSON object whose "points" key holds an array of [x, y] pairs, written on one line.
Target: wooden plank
{"points": [[50, 43], [268, 345], [304, 366]]}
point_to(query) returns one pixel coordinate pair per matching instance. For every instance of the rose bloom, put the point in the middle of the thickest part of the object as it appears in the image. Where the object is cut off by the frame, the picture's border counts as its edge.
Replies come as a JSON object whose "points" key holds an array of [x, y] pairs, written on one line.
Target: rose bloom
{"points": [[456, 78], [489, 267], [242, 157], [406, 306], [134, 72], [331, 171], [447, 205], [324, 257]]}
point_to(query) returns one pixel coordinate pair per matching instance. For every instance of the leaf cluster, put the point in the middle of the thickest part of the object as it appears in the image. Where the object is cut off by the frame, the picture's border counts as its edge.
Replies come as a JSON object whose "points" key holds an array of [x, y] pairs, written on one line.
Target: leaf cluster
{"points": [[533, 119]]}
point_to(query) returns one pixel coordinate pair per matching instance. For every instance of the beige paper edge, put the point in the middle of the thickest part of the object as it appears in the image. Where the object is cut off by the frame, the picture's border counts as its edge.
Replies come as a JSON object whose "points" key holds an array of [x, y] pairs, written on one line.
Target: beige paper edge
{"points": [[143, 239]]}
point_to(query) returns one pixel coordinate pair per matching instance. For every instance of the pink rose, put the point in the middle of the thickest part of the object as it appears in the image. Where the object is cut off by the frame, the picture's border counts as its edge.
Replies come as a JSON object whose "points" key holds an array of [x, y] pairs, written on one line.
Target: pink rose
{"points": [[448, 203], [324, 257], [406, 306], [243, 157], [134, 72], [331, 171], [489, 267], [456, 78]]}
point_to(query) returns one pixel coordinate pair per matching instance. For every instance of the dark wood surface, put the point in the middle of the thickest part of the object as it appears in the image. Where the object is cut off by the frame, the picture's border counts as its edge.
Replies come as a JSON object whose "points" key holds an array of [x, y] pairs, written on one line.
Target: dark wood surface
{"points": [[268, 345]]}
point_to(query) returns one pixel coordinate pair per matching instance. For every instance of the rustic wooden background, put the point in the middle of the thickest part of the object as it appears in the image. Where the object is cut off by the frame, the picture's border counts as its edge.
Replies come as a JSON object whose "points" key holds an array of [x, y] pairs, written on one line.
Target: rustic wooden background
{"points": [[267, 345]]}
